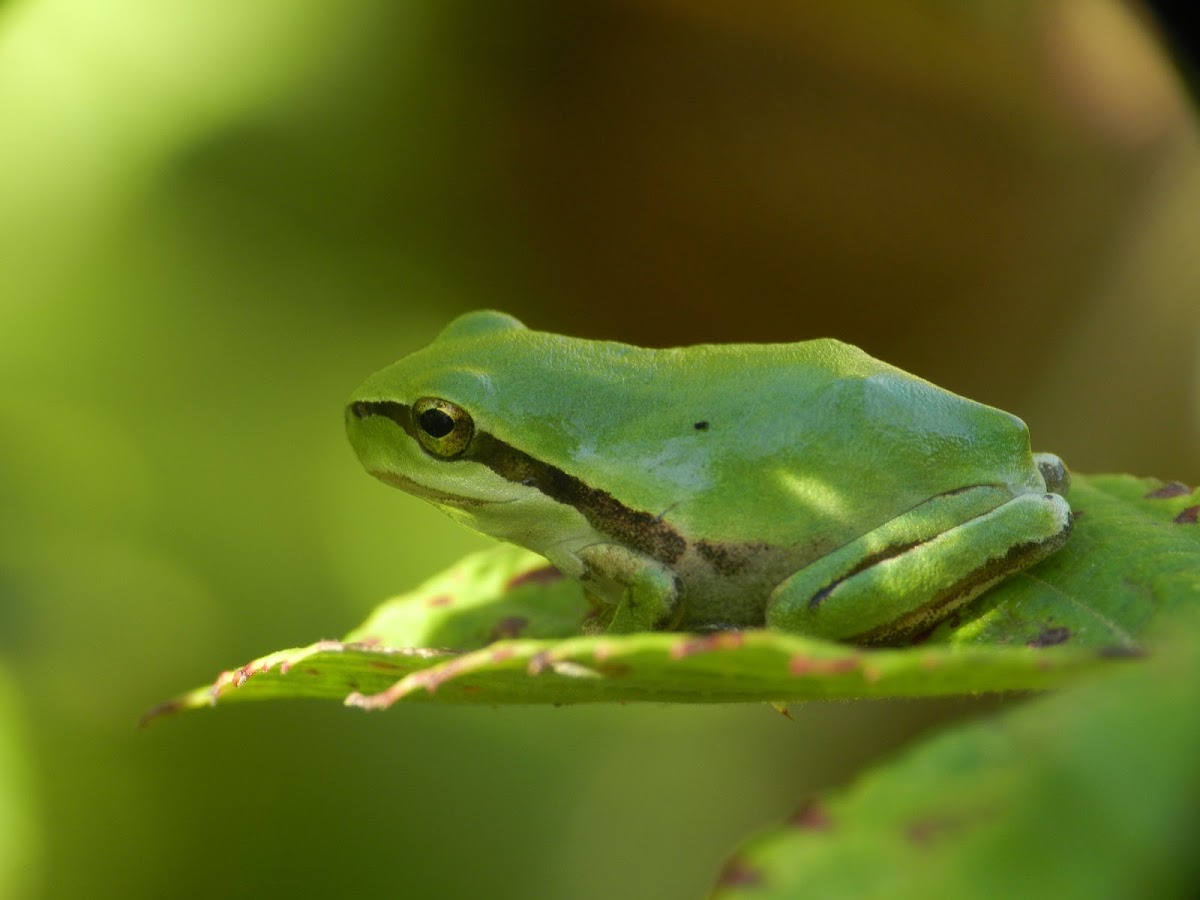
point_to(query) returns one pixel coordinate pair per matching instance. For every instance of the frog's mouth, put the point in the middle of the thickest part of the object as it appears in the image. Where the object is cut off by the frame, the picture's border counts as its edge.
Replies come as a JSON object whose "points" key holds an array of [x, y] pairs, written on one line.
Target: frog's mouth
{"points": [[433, 495]]}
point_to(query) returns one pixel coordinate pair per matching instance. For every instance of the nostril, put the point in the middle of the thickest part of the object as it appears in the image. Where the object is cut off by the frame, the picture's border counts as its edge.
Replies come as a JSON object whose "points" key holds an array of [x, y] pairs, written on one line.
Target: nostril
{"points": [[388, 409]]}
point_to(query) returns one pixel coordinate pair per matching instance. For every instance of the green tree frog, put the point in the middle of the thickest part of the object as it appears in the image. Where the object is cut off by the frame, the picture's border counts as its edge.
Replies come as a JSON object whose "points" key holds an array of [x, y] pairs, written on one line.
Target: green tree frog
{"points": [[805, 487]]}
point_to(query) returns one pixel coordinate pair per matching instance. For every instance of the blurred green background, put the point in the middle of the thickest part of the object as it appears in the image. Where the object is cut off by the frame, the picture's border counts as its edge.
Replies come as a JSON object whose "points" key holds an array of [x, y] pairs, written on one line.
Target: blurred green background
{"points": [[217, 217]]}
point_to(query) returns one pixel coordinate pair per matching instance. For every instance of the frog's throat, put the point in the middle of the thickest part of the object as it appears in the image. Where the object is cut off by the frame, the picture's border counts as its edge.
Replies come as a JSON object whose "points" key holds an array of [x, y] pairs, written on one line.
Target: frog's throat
{"points": [[434, 496], [634, 528]]}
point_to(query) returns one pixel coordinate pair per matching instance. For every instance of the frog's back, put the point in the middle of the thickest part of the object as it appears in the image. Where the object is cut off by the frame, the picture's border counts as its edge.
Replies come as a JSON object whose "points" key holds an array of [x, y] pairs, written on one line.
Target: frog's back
{"points": [[775, 443]]}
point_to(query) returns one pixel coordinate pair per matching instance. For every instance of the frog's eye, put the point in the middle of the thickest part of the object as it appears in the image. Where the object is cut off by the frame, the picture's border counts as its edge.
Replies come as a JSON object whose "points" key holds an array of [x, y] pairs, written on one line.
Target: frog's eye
{"points": [[444, 429]]}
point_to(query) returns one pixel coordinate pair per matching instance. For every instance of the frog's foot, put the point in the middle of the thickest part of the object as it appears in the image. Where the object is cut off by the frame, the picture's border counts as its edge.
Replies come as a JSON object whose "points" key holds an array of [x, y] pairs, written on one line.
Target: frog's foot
{"points": [[909, 573], [1054, 470], [643, 590]]}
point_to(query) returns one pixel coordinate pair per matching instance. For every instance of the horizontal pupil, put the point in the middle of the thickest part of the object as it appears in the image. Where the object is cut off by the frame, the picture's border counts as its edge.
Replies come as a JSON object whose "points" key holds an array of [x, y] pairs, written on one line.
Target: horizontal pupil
{"points": [[436, 423]]}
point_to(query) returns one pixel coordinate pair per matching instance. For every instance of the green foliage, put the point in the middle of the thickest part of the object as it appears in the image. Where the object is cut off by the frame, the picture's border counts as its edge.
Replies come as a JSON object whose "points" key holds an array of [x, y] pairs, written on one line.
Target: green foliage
{"points": [[217, 217], [1088, 793], [1095, 785]]}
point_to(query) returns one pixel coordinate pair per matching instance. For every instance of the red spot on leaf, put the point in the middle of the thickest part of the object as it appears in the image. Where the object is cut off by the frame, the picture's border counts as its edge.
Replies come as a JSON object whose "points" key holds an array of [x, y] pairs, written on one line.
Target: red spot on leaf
{"points": [[500, 654], [242, 675], [1169, 490], [546, 575], [805, 665], [737, 873], [385, 666], [508, 627], [924, 832], [440, 600], [614, 670], [1050, 637], [1189, 516], [708, 643], [811, 815]]}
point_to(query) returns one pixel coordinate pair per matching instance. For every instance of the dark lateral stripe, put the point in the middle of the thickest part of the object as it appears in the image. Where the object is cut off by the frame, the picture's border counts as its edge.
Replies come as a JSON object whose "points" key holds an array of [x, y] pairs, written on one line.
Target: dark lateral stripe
{"points": [[865, 563], [1016, 558], [400, 413], [634, 528], [894, 550]]}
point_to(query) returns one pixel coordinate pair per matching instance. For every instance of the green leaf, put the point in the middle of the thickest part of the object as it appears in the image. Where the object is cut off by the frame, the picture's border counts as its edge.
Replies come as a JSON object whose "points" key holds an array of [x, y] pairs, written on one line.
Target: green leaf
{"points": [[1092, 792], [1134, 554], [504, 627]]}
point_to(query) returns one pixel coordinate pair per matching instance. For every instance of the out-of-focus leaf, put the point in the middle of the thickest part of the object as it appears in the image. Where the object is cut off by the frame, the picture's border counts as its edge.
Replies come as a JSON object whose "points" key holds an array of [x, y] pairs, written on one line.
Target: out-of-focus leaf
{"points": [[1094, 792]]}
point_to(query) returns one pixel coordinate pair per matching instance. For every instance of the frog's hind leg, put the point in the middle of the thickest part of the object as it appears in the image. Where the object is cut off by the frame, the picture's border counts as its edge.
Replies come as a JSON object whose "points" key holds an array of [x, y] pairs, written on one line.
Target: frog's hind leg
{"points": [[907, 574]]}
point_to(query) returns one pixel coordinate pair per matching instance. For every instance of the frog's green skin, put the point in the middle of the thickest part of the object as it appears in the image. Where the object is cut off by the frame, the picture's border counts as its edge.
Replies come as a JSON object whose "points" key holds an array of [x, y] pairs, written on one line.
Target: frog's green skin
{"points": [[804, 486]]}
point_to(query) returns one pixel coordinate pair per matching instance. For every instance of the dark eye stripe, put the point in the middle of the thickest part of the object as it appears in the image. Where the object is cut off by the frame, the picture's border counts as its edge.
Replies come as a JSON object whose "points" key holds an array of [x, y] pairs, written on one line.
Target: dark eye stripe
{"points": [[635, 528], [397, 412]]}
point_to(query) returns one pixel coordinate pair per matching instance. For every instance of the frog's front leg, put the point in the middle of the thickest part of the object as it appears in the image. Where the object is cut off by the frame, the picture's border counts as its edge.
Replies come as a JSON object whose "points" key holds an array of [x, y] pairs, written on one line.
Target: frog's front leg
{"points": [[912, 571], [644, 591]]}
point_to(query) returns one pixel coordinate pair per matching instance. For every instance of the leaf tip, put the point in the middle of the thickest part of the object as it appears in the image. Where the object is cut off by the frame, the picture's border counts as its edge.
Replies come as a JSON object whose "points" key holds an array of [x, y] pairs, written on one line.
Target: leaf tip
{"points": [[155, 713]]}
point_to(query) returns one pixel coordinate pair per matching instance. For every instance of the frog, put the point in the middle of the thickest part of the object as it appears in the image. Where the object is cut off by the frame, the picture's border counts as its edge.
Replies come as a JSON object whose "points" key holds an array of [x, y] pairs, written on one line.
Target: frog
{"points": [[804, 487]]}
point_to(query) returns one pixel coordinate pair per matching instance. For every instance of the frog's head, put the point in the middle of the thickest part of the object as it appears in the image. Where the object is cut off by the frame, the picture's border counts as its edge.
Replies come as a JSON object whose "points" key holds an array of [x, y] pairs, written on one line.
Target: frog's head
{"points": [[425, 424]]}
